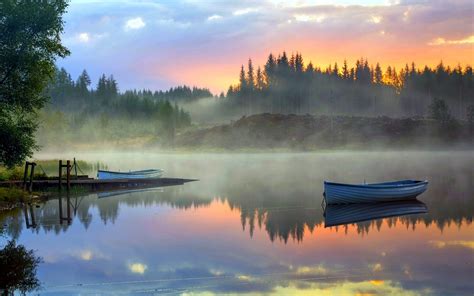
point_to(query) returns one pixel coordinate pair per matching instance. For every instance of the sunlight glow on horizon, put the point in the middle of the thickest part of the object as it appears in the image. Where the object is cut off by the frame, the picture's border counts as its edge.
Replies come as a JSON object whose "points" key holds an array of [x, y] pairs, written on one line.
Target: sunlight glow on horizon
{"points": [[160, 45]]}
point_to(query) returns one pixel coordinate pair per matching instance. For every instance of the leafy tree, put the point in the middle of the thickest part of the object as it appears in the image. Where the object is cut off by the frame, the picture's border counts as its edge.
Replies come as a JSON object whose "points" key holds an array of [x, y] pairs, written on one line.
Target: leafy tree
{"points": [[29, 45], [18, 267]]}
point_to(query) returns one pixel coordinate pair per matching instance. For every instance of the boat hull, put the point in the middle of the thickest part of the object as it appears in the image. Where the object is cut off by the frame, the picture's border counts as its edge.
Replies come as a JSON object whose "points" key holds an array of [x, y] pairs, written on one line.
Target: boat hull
{"points": [[338, 193], [351, 213], [144, 174]]}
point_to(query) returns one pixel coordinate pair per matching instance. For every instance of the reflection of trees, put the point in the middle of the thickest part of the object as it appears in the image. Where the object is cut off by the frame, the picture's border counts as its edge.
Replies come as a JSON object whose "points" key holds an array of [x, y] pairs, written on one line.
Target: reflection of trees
{"points": [[47, 215], [18, 267], [284, 207]]}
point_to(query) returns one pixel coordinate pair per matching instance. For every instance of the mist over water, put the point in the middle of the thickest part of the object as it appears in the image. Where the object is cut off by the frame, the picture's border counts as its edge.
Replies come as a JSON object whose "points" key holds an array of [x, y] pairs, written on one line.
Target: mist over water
{"points": [[253, 223]]}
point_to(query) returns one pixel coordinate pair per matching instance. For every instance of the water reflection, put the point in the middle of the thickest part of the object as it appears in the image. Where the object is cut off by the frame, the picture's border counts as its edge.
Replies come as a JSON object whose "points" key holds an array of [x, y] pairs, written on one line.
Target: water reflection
{"points": [[256, 226], [351, 213], [281, 221]]}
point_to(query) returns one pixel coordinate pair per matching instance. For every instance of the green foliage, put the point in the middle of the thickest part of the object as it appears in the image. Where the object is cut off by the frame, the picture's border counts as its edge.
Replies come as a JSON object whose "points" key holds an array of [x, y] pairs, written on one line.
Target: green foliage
{"points": [[17, 140], [18, 266], [12, 195], [48, 168], [29, 44], [290, 87], [438, 110]]}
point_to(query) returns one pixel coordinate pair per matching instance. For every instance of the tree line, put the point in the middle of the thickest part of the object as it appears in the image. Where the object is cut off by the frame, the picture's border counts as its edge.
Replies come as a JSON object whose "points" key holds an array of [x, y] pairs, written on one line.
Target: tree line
{"points": [[288, 85], [78, 96]]}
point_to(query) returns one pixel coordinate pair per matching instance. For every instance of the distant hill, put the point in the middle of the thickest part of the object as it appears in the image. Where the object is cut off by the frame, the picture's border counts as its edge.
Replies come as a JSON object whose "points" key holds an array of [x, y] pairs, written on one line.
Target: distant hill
{"points": [[307, 132]]}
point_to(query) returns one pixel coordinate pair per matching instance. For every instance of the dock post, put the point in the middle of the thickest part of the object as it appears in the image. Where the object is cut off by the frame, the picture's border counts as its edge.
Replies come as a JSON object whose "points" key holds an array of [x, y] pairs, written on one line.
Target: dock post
{"points": [[25, 175], [60, 201], [68, 175], [32, 172], [60, 173], [68, 208], [32, 213], [27, 219]]}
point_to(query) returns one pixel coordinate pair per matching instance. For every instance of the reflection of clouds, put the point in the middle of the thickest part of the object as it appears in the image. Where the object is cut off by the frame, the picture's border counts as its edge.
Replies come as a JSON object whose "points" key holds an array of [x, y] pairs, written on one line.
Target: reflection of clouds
{"points": [[139, 268], [407, 271], [368, 287], [86, 255], [455, 243], [243, 277], [376, 267], [316, 270]]}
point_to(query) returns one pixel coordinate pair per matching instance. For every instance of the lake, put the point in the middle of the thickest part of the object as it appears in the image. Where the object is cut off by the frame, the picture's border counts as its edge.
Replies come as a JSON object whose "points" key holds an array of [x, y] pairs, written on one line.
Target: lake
{"points": [[254, 224]]}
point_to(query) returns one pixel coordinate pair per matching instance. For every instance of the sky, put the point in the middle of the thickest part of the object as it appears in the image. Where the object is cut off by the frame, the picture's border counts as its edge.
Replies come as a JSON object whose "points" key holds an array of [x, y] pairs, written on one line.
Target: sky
{"points": [[160, 44]]}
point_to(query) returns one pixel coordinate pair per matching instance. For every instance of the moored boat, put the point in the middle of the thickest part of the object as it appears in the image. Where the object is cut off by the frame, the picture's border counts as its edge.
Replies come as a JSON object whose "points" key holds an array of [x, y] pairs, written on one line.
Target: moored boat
{"points": [[351, 213], [143, 174], [340, 193]]}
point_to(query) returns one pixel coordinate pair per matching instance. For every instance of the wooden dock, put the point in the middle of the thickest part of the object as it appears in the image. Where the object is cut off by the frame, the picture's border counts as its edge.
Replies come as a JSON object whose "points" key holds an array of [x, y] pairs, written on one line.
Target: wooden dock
{"points": [[96, 184]]}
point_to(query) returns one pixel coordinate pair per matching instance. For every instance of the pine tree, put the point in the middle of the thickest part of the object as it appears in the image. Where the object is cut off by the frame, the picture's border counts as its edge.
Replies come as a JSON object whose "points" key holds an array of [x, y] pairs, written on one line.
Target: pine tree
{"points": [[345, 71], [242, 81], [269, 70], [335, 71], [82, 84], [260, 82], [250, 77], [299, 65], [378, 74]]}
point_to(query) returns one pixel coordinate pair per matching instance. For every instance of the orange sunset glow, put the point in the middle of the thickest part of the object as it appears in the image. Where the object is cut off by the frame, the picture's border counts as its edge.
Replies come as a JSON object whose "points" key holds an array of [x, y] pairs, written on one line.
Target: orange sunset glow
{"points": [[163, 45]]}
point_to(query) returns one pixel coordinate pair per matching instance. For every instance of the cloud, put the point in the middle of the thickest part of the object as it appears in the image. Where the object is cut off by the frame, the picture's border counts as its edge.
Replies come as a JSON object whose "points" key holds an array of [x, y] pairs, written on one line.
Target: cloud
{"points": [[375, 19], [214, 17], [139, 268], [190, 43], [443, 41], [134, 24], [245, 11], [309, 18], [83, 37]]}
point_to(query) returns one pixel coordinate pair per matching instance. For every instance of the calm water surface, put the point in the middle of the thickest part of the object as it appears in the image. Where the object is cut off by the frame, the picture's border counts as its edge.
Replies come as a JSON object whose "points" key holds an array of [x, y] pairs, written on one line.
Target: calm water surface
{"points": [[253, 224]]}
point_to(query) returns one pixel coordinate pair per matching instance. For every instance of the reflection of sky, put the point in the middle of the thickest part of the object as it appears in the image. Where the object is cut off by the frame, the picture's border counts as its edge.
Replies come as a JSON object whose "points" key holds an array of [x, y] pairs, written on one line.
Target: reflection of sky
{"points": [[166, 43], [187, 238], [163, 248]]}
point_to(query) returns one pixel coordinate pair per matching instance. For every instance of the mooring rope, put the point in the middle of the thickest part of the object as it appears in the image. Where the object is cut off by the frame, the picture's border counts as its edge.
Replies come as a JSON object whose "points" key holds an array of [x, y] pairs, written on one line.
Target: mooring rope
{"points": [[42, 169]]}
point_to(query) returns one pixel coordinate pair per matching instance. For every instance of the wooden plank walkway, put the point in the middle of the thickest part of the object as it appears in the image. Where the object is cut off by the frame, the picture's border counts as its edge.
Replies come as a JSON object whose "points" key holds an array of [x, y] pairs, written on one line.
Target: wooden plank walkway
{"points": [[96, 184]]}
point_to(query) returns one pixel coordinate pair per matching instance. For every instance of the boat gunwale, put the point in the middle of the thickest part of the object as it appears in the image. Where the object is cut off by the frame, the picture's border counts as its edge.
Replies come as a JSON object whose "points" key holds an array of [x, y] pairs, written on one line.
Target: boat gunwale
{"points": [[143, 172], [384, 185]]}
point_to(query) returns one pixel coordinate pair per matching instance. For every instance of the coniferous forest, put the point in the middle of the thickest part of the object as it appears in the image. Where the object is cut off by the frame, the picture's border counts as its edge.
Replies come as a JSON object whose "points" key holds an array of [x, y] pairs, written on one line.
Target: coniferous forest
{"points": [[288, 85], [86, 112]]}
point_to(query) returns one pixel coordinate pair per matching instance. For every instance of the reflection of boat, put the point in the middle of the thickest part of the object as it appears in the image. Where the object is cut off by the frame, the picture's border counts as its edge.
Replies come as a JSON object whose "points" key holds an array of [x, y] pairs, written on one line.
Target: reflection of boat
{"points": [[121, 192], [339, 193], [351, 213], [143, 174]]}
